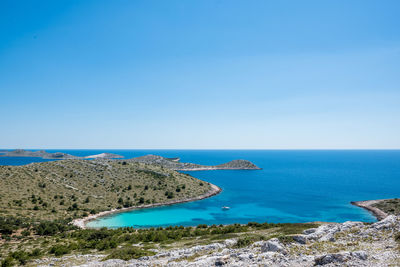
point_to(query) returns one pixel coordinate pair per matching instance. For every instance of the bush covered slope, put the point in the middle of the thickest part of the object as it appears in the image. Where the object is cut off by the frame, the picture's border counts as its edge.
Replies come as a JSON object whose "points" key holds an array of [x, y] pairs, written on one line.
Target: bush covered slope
{"points": [[75, 188]]}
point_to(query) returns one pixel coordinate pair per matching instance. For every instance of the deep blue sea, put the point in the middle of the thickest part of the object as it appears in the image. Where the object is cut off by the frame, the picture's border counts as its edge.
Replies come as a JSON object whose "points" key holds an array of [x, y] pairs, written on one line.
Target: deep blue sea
{"points": [[293, 186]]}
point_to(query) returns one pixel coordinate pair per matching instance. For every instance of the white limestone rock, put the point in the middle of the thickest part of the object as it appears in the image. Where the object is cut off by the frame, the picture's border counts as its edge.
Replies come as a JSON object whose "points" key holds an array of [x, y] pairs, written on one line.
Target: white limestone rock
{"points": [[362, 255], [230, 242], [388, 222], [332, 258], [273, 245], [302, 239]]}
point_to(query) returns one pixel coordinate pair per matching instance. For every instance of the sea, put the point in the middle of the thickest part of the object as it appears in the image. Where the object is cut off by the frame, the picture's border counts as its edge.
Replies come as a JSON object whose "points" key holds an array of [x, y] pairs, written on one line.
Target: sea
{"points": [[292, 186]]}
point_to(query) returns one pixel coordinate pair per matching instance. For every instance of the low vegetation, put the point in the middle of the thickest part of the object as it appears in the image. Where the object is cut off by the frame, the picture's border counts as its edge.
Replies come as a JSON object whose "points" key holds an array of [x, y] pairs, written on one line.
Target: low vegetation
{"points": [[58, 238], [389, 206]]}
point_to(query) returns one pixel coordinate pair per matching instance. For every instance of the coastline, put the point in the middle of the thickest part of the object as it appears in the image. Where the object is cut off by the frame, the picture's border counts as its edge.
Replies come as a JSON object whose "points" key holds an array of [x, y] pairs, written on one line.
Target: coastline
{"points": [[215, 190], [81, 222], [214, 169], [367, 205]]}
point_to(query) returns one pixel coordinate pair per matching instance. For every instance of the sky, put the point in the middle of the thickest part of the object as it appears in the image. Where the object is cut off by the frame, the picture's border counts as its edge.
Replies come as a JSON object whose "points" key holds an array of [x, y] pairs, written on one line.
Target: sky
{"points": [[200, 74]]}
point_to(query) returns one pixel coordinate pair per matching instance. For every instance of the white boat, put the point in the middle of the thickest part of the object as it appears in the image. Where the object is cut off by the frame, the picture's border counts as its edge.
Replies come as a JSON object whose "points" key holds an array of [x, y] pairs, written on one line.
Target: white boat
{"points": [[225, 208]]}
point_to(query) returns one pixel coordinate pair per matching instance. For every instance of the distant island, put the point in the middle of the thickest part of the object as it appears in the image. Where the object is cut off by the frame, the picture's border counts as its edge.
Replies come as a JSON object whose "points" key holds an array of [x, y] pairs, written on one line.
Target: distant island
{"points": [[170, 163], [57, 155], [175, 164]]}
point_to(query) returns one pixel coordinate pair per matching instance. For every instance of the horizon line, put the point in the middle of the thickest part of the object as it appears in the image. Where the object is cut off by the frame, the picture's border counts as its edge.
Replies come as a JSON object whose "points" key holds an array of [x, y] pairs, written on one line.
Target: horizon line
{"points": [[201, 148]]}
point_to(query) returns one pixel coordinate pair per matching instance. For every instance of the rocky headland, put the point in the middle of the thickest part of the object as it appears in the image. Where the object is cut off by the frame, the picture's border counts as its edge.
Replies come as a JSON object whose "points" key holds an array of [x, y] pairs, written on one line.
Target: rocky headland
{"points": [[369, 205]]}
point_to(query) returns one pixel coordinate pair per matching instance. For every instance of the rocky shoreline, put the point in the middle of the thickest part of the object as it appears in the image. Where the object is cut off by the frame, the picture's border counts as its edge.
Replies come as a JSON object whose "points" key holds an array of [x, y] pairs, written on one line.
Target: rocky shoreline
{"points": [[368, 205], [81, 223]]}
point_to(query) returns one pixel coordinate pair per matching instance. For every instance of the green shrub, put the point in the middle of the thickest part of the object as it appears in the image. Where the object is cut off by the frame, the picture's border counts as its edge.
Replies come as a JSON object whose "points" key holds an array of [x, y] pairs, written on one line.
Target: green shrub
{"points": [[285, 239], [169, 194], [21, 256], [6, 229], [246, 241], [59, 250], [397, 237], [52, 228], [7, 262], [129, 253], [36, 253], [26, 233], [106, 244]]}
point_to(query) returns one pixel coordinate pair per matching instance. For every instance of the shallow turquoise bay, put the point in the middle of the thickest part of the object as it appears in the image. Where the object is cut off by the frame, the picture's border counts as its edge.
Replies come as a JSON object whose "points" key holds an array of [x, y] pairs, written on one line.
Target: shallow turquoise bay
{"points": [[293, 186]]}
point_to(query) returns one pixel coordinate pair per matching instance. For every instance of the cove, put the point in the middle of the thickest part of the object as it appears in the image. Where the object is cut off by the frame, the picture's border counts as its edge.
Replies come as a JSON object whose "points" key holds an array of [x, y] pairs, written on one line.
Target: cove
{"points": [[293, 186]]}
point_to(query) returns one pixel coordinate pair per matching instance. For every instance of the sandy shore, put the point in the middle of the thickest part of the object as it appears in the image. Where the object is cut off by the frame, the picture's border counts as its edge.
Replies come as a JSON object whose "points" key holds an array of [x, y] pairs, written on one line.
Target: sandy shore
{"points": [[81, 223], [367, 204]]}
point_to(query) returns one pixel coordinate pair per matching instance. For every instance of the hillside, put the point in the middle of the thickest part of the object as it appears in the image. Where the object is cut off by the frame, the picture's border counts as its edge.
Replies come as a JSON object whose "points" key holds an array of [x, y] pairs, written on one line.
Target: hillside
{"points": [[175, 164], [75, 188]]}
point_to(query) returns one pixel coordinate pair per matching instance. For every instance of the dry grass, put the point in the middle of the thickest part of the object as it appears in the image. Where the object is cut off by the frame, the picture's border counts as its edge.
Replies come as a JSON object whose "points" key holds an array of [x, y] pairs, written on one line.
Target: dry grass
{"points": [[74, 188]]}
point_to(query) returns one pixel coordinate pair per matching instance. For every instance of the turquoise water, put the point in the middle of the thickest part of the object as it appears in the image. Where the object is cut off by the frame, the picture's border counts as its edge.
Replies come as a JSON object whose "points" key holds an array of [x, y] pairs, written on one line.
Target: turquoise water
{"points": [[293, 186]]}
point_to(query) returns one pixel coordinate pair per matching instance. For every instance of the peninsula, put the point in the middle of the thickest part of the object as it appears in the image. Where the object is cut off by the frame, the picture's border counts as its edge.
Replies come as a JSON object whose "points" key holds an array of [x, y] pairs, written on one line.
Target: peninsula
{"points": [[76, 188], [380, 208], [175, 164]]}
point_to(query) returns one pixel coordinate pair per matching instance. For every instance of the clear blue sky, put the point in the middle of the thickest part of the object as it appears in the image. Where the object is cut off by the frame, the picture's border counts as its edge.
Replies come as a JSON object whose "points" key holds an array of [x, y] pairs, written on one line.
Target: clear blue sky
{"points": [[200, 74]]}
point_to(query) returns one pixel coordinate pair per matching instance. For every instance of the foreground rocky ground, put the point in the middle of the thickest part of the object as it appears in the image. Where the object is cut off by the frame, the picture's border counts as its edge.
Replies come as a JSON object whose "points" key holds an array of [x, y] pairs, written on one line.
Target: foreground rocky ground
{"points": [[346, 244]]}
